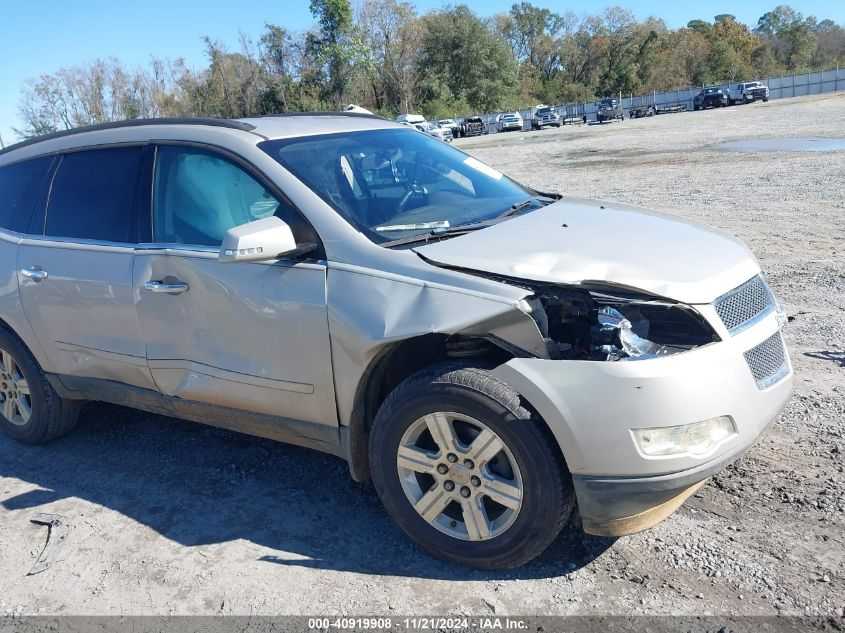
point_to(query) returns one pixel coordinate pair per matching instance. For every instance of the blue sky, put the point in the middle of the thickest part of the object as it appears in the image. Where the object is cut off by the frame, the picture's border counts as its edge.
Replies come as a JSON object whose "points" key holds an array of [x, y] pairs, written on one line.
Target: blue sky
{"points": [[40, 36]]}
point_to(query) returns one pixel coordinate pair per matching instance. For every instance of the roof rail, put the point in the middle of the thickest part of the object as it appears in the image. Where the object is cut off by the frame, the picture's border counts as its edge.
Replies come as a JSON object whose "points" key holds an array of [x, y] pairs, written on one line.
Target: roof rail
{"points": [[229, 123], [362, 115]]}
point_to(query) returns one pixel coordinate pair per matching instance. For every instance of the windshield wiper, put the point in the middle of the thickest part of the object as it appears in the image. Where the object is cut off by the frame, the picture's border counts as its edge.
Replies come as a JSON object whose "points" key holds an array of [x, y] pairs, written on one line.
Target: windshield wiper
{"points": [[539, 200], [438, 233]]}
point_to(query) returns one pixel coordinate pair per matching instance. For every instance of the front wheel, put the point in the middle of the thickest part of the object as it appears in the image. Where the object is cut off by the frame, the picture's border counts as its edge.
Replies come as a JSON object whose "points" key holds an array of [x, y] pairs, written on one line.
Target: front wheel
{"points": [[466, 470]]}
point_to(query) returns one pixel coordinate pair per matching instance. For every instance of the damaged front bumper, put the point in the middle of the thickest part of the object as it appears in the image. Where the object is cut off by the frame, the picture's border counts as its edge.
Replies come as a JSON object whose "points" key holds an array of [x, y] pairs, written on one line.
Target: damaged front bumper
{"points": [[593, 407], [619, 506]]}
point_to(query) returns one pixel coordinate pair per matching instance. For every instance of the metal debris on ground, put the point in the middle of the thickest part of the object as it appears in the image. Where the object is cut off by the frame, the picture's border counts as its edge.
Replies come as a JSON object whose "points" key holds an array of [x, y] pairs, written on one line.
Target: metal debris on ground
{"points": [[58, 528]]}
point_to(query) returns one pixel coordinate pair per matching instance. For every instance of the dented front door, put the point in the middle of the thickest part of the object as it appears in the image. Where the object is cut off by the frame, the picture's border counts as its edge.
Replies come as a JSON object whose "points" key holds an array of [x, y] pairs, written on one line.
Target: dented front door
{"points": [[252, 336]]}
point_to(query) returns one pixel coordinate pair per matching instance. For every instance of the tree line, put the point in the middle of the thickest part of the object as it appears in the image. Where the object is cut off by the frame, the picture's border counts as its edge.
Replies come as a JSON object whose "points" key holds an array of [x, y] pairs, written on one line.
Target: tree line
{"points": [[383, 55]]}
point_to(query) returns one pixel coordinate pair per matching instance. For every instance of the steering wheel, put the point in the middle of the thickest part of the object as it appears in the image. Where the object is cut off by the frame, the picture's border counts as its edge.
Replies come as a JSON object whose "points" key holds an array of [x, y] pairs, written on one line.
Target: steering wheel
{"points": [[415, 192]]}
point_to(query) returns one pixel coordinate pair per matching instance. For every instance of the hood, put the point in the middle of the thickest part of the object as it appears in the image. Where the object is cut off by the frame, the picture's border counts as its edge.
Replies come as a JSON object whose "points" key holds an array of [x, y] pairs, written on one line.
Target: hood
{"points": [[576, 241]]}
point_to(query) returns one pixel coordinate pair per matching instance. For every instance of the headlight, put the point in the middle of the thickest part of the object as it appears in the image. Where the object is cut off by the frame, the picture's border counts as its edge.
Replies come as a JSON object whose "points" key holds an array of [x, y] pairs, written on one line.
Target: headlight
{"points": [[639, 329], [698, 439], [609, 324]]}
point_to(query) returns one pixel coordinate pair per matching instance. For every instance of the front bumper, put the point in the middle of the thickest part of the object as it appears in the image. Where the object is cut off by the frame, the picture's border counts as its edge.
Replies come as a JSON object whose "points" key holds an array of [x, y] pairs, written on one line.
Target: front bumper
{"points": [[591, 407], [618, 506]]}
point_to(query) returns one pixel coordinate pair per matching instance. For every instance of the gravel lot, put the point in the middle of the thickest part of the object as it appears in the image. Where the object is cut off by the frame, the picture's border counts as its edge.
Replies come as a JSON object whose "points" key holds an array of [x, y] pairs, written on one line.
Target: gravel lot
{"points": [[170, 517]]}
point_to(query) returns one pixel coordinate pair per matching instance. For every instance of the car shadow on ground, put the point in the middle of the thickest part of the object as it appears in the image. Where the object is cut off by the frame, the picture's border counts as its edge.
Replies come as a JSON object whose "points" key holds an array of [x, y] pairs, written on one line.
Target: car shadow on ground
{"points": [[198, 485]]}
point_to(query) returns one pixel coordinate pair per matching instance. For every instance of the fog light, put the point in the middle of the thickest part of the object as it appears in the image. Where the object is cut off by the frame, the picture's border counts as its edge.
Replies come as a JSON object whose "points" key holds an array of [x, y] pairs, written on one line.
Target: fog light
{"points": [[697, 439]]}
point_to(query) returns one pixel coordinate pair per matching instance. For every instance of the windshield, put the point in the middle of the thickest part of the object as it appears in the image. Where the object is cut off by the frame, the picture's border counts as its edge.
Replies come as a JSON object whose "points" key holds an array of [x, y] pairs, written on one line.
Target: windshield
{"points": [[545, 111], [395, 183]]}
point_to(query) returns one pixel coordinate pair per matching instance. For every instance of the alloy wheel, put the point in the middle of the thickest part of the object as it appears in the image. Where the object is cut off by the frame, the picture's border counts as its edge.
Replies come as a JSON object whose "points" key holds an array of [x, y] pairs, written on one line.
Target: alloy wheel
{"points": [[460, 476], [15, 399]]}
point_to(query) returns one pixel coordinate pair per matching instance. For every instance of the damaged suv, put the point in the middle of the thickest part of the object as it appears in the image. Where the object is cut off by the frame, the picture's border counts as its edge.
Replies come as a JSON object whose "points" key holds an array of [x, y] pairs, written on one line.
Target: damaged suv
{"points": [[497, 359]]}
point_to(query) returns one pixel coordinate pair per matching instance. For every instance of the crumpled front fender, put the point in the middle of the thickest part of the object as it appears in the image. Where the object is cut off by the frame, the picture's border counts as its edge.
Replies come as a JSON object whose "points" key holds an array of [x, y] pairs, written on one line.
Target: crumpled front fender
{"points": [[369, 310]]}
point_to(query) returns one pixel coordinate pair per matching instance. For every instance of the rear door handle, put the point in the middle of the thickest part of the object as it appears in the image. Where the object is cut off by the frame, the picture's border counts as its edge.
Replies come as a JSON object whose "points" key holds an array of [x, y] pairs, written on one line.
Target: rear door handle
{"points": [[36, 274], [161, 286]]}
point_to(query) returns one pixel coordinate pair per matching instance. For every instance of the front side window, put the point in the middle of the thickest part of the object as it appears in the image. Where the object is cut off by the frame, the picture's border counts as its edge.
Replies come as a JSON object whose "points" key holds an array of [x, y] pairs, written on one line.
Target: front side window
{"points": [[199, 195], [20, 186], [395, 183], [93, 195]]}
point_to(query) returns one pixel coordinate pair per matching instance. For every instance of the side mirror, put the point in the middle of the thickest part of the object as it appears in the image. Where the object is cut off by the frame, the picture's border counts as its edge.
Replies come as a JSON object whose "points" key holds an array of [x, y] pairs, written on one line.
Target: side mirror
{"points": [[259, 241]]}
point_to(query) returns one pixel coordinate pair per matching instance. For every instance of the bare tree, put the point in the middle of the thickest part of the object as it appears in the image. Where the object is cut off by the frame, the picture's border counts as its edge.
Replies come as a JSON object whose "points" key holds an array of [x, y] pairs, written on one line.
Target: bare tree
{"points": [[392, 33]]}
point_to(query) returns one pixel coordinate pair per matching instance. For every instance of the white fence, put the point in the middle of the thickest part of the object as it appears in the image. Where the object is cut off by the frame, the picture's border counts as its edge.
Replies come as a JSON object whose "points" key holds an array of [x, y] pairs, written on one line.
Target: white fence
{"points": [[800, 85]]}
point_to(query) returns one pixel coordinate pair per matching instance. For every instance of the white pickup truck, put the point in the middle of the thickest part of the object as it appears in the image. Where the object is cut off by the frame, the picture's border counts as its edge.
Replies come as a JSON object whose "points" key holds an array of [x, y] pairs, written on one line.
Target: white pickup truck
{"points": [[747, 92]]}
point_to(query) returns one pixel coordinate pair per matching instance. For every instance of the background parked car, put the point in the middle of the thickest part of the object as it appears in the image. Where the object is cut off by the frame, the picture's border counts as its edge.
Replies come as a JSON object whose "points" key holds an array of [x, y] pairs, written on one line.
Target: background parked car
{"points": [[545, 115], [710, 98], [473, 126], [356, 108], [509, 122], [411, 119], [640, 111], [608, 110], [440, 133], [452, 125], [747, 92]]}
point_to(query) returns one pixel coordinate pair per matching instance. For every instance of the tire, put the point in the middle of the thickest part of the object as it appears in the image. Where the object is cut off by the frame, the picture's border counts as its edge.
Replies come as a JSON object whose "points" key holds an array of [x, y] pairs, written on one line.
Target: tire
{"points": [[35, 417], [459, 403]]}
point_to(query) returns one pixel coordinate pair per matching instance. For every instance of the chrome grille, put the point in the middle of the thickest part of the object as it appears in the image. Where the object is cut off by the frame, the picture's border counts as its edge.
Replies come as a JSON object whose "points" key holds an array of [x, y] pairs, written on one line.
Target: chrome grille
{"points": [[742, 305], [768, 361]]}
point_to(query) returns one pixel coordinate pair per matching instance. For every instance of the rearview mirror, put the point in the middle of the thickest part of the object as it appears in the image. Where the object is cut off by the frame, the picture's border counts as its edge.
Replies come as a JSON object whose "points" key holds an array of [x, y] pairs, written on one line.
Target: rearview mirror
{"points": [[259, 241]]}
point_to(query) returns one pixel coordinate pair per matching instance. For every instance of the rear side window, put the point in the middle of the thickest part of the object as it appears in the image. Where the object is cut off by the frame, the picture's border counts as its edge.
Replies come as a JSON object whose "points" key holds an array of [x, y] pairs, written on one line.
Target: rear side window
{"points": [[20, 186], [93, 195]]}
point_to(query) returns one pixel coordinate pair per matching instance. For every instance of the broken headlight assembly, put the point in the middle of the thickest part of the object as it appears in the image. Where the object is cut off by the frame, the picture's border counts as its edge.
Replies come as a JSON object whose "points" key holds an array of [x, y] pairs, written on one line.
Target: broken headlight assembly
{"points": [[609, 325]]}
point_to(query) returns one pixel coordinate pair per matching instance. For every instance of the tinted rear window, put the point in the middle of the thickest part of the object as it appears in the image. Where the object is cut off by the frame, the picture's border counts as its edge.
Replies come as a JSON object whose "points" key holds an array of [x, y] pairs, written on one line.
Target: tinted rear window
{"points": [[20, 185], [93, 195]]}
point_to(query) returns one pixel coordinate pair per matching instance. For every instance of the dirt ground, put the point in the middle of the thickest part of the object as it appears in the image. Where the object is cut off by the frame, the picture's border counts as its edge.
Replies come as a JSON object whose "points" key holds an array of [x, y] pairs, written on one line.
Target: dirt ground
{"points": [[171, 517]]}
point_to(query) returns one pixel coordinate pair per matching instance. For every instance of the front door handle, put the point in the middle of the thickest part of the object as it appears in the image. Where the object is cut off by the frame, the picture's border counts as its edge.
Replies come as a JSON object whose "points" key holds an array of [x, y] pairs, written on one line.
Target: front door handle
{"points": [[168, 287], [36, 274]]}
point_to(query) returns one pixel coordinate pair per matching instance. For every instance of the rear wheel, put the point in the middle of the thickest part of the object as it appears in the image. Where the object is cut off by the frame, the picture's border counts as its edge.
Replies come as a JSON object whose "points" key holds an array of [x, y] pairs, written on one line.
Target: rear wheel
{"points": [[466, 471], [30, 409]]}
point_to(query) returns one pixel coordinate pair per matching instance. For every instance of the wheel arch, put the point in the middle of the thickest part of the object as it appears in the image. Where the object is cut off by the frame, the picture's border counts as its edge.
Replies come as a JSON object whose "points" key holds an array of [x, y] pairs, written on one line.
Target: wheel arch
{"points": [[394, 363], [21, 330]]}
